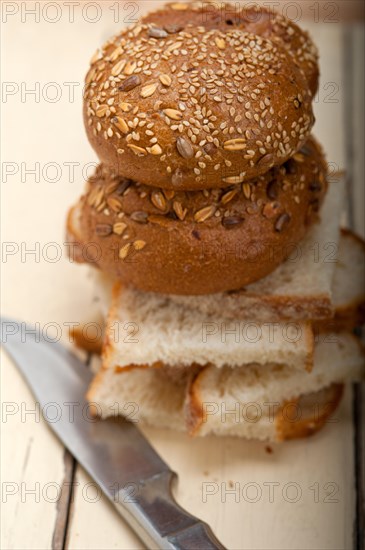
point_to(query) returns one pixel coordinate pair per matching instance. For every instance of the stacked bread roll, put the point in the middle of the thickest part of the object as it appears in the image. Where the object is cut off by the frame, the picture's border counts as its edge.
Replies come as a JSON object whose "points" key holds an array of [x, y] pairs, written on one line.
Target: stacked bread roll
{"points": [[201, 116]]}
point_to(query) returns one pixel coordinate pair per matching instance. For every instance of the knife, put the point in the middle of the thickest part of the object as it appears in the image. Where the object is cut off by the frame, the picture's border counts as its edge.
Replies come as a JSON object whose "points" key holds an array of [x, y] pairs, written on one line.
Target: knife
{"points": [[113, 451]]}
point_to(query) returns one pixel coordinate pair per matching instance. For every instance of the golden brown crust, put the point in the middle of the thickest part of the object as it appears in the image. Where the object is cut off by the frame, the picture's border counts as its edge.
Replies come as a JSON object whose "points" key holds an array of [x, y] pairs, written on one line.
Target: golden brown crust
{"points": [[82, 341], [351, 315], [201, 242], [194, 108], [195, 414], [299, 425], [249, 18], [289, 424], [308, 336]]}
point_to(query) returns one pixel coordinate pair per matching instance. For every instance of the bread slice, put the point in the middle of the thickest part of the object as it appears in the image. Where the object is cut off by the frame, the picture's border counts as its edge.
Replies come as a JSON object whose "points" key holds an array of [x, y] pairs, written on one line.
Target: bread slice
{"points": [[300, 288], [153, 330], [348, 285], [257, 391], [199, 400]]}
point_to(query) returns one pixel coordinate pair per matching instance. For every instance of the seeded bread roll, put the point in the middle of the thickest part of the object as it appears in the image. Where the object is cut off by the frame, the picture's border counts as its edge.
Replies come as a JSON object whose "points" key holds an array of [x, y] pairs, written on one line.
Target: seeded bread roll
{"points": [[190, 107], [198, 242], [252, 19]]}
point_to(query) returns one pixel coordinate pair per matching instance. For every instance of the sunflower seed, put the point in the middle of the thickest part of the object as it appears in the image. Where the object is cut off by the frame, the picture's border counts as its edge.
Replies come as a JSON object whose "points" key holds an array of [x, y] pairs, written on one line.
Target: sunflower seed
{"points": [[290, 166], [163, 221], [165, 79], [179, 210], [149, 90], [184, 147], [121, 124], [123, 252], [210, 148], [272, 190], [139, 245], [139, 217], [235, 144], [315, 187], [103, 230], [204, 214], [306, 150], [155, 32], [266, 159], [123, 186], [130, 83], [158, 200], [281, 222], [177, 177], [173, 114], [119, 228], [173, 29], [232, 222]]}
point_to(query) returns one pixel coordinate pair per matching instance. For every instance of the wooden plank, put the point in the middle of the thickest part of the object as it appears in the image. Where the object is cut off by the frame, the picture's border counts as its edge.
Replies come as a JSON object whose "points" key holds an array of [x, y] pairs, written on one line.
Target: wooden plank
{"points": [[355, 143], [64, 503], [32, 468], [59, 292], [220, 480], [212, 462], [39, 288]]}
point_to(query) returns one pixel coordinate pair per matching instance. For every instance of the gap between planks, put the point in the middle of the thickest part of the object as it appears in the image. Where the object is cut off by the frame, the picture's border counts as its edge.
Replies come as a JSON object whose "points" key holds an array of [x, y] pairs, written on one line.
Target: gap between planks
{"points": [[64, 505], [349, 61]]}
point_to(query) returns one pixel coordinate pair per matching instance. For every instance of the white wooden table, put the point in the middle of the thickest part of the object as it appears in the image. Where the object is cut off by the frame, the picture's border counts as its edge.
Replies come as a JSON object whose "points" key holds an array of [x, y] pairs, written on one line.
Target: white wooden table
{"points": [[47, 499]]}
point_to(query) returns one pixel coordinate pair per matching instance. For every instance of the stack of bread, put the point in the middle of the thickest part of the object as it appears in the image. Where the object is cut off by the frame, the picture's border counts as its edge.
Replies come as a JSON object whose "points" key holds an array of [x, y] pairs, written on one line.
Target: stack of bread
{"points": [[212, 219]]}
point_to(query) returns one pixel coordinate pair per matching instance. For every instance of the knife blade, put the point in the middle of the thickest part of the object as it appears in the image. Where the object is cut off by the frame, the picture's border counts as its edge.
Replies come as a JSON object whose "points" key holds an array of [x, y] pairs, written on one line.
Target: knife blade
{"points": [[113, 451]]}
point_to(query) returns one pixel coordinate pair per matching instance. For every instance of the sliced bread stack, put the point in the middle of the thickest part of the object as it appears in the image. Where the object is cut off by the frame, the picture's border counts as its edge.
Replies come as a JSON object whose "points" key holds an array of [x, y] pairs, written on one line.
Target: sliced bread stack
{"points": [[230, 294], [171, 364]]}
